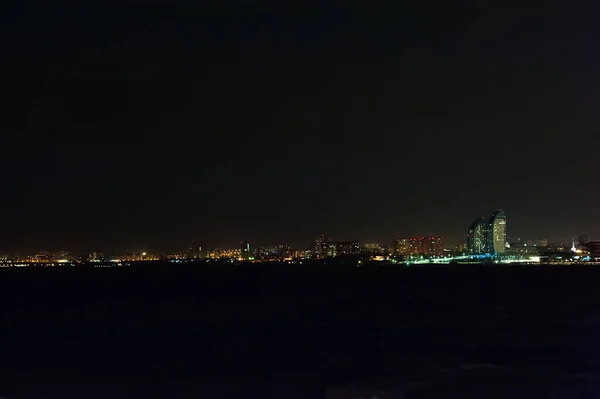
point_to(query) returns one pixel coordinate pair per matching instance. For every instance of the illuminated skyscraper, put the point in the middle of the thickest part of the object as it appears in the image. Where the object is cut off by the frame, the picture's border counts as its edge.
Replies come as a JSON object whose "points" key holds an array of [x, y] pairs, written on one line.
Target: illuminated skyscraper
{"points": [[497, 233], [321, 245], [429, 246], [414, 245], [283, 251], [434, 246], [477, 237], [351, 248], [245, 250], [331, 250], [401, 246], [341, 248]]}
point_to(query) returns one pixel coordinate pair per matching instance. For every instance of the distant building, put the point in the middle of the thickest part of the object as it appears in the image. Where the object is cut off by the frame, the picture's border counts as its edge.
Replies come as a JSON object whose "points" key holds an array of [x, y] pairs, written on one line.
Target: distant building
{"points": [[593, 247], [496, 234], [477, 237], [222, 253], [341, 248], [559, 246], [522, 249], [488, 236], [583, 239], [414, 245], [434, 246], [513, 239], [261, 254], [401, 246], [299, 253], [460, 247], [331, 250], [194, 251], [283, 251], [245, 250], [352, 247], [540, 242], [373, 248], [320, 246], [553, 256], [427, 246], [344, 248]]}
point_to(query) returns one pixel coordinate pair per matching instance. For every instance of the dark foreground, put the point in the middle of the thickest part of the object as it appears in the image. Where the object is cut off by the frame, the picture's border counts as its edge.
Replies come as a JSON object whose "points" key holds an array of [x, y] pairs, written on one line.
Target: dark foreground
{"points": [[430, 332]]}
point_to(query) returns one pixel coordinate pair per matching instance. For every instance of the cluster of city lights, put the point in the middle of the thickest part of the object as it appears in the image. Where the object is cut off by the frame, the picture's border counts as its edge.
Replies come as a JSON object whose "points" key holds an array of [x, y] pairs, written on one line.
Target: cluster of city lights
{"points": [[486, 242]]}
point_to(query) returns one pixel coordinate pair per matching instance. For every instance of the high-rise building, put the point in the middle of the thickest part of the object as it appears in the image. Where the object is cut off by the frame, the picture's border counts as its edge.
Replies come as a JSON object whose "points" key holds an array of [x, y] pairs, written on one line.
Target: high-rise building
{"points": [[351, 247], [593, 247], [496, 234], [373, 248], [477, 237], [194, 251], [245, 250], [331, 250], [283, 251], [401, 246], [261, 254], [340, 248], [429, 246], [346, 248], [414, 245], [434, 246], [321, 245]]}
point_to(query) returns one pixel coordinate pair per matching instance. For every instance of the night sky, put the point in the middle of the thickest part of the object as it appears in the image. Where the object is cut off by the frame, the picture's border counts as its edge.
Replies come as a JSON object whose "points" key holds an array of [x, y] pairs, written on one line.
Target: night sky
{"points": [[144, 126]]}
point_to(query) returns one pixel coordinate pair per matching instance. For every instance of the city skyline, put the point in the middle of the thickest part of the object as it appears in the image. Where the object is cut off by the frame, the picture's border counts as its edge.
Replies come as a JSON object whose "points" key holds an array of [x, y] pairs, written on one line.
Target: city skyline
{"points": [[477, 240], [389, 245], [485, 242]]}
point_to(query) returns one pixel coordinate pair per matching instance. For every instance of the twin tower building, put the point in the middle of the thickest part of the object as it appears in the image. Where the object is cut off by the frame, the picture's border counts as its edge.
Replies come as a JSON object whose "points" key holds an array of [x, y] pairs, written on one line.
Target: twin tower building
{"points": [[488, 236]]}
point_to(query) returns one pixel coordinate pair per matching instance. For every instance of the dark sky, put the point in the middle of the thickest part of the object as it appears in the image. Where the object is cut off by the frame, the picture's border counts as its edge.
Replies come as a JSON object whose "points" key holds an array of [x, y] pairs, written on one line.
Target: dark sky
{"points": [[147, 125]]}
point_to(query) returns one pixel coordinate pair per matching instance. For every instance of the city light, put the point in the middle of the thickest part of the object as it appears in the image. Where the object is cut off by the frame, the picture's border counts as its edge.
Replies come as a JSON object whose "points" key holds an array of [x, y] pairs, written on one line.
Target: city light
{"points": [[486, 242]]}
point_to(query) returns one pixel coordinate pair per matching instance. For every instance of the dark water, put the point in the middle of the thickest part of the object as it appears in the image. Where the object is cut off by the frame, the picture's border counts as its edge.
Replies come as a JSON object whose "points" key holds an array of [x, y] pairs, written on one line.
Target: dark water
{"points": [[431, 332]]}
